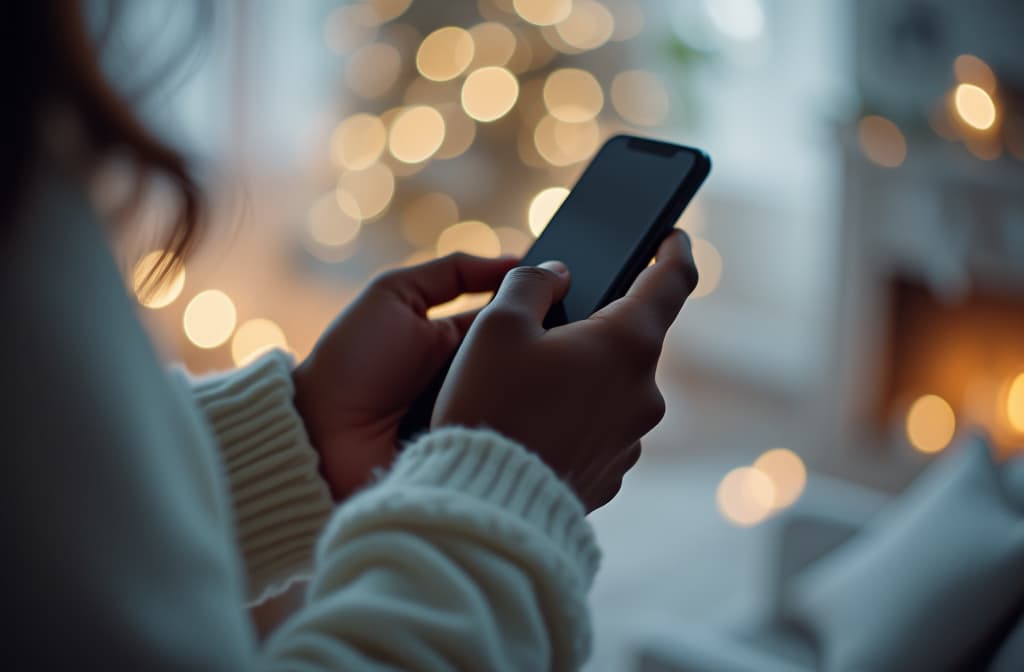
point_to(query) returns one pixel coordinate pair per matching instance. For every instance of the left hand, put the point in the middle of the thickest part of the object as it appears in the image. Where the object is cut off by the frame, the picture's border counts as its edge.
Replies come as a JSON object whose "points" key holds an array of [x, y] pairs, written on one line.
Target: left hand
{"points": [[375, 359]]}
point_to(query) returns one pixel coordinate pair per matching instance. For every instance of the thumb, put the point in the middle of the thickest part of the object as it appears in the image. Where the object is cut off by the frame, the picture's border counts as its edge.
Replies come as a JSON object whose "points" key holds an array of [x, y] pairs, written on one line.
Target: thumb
{"points": [[533, 289]]}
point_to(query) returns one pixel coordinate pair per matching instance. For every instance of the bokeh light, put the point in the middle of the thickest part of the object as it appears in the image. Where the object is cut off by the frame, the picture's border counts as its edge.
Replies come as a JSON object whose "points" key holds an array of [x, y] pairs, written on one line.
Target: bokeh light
{"points": [[931, 424], [640, 98], [494, 44], [513, 241], [543, 12], [629, 20], [573, 95], [709, 266], [589, 26], [970, 69], [350, 26], [365, 194], [562, 144], [255, 337], [787, 473], [1015, 403], [472, 237], [163, 294], [445, 53], [358, 142], [209, 318], [881, 141], [543, 208], [416, 134], [489, 93], [974, 106], [373, 69], [423, 219], [745, 496], [389, 10], [329, 225]]}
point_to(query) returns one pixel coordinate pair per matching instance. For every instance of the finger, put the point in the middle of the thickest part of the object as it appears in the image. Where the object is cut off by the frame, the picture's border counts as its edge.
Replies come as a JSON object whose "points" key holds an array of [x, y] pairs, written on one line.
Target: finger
{"points": [[441, 280], [660, 290], [532, 290], [461, 323]]}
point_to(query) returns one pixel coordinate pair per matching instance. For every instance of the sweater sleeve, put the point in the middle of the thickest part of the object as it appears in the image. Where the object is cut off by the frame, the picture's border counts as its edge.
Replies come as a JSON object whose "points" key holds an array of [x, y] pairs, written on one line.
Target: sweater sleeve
{"points": [[280, 502], [469, 554]]}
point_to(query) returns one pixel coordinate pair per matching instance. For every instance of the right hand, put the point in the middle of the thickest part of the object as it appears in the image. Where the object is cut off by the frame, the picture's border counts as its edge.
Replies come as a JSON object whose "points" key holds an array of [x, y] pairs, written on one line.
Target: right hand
{"points": [[581, 395]]}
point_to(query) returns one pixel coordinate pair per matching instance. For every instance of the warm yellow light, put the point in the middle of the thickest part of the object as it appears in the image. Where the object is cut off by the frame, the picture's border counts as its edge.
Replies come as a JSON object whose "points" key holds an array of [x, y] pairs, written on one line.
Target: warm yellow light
{"points": [[364, 194], [373, 70], [459, 134], [254, 338], [426, 216], [1015, 403], [513, 241], [543, 12], [329, 225], [589, 26], [629, 20], [563, 144], [489, 93], [709, 266], [745, 497], [209, 318], [881, 141], [931, 424], [461, 304], [640, 98], [573, 95], [389, 10], [416, 134], [358, 142], [970, 69], [471, 237], [445, 54], [787, 473], [494, 44], [975, 106], [543, 207], [163, 295]]}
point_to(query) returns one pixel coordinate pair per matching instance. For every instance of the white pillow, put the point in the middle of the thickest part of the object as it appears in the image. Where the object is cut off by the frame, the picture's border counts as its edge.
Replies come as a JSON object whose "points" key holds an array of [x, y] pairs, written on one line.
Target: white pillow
{"points": [[927, 579]]}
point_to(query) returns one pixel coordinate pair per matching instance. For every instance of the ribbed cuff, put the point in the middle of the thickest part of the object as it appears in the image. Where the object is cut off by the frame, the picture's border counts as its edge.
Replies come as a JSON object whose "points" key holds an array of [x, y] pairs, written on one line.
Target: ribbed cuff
{"points": [[280, 501], [477, 484]]}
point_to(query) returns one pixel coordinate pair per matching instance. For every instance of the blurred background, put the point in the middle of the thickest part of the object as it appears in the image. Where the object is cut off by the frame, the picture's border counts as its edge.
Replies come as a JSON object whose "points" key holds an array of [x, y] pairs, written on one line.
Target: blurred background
{"points": [[860, 239]]}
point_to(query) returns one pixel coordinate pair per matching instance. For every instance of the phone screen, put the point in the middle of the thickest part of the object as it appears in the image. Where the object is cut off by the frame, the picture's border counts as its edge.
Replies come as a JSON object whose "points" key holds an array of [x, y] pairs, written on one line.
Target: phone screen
{"points": [[609, 226]]}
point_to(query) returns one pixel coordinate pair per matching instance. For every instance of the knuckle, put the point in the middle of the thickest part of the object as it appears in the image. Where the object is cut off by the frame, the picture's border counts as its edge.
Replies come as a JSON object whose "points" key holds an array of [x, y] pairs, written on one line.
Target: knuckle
{"points": [[528, 274], [691, 276], [499, 317], [653, 409]]}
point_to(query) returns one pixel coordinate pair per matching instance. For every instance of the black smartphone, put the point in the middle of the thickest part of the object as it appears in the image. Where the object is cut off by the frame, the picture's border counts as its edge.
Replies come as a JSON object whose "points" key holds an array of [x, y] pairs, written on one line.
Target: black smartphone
{"points": [[606, 231]]}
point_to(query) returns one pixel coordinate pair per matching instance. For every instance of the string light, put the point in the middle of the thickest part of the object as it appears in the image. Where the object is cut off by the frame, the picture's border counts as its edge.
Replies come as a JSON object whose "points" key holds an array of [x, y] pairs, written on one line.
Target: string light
{"points": [[445, 53], [373, 70], [629, 20], [162, 295], [543, 207], [416, 134], [460, 131], [787, 473], [389, 10], [970, 69], [329, 224], [489, 93], [589, 26], [349, 27], [494, 44], [573, 95], [472, 237], [931, 424], [358, 142], [254, 338], [640, 98], [543, 12], [423, 219], [1015, 403], [745, 496], [365, 194], [209, 319], [881, 141], [563, 144], [974, 106]]}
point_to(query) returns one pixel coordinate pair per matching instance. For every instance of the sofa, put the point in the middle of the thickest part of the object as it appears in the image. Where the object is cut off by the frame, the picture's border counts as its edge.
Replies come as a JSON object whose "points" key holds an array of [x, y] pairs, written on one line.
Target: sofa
{"points": [[930, 580]]}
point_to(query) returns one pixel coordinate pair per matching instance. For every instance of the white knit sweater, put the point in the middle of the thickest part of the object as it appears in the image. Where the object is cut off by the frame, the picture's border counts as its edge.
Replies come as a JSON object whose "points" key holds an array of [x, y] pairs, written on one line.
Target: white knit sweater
{"points": [[143, 512]]}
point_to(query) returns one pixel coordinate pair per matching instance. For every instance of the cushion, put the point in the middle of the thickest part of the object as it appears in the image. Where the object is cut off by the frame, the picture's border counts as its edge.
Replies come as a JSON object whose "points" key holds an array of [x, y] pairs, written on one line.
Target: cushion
{"points": [[925, 581]]}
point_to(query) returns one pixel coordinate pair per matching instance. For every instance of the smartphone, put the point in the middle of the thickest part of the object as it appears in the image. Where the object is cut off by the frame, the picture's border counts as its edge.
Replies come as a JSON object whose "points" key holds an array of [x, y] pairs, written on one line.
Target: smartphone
{"points": [[606, 231]]}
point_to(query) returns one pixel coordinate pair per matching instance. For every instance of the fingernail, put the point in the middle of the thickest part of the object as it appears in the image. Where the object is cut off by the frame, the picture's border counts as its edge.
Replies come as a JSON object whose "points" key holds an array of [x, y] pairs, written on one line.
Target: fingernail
{"points": [[555, 267]]}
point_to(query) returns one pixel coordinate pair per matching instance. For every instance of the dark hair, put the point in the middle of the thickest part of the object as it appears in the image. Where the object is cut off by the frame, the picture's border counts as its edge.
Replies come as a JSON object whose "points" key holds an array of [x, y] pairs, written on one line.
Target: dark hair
{"points": [[48, 57]]}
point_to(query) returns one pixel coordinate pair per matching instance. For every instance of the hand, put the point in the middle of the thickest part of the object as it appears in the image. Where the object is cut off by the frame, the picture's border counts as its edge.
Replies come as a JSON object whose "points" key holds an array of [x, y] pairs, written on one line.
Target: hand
{"points": [[580, 395], [376, 358]]}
